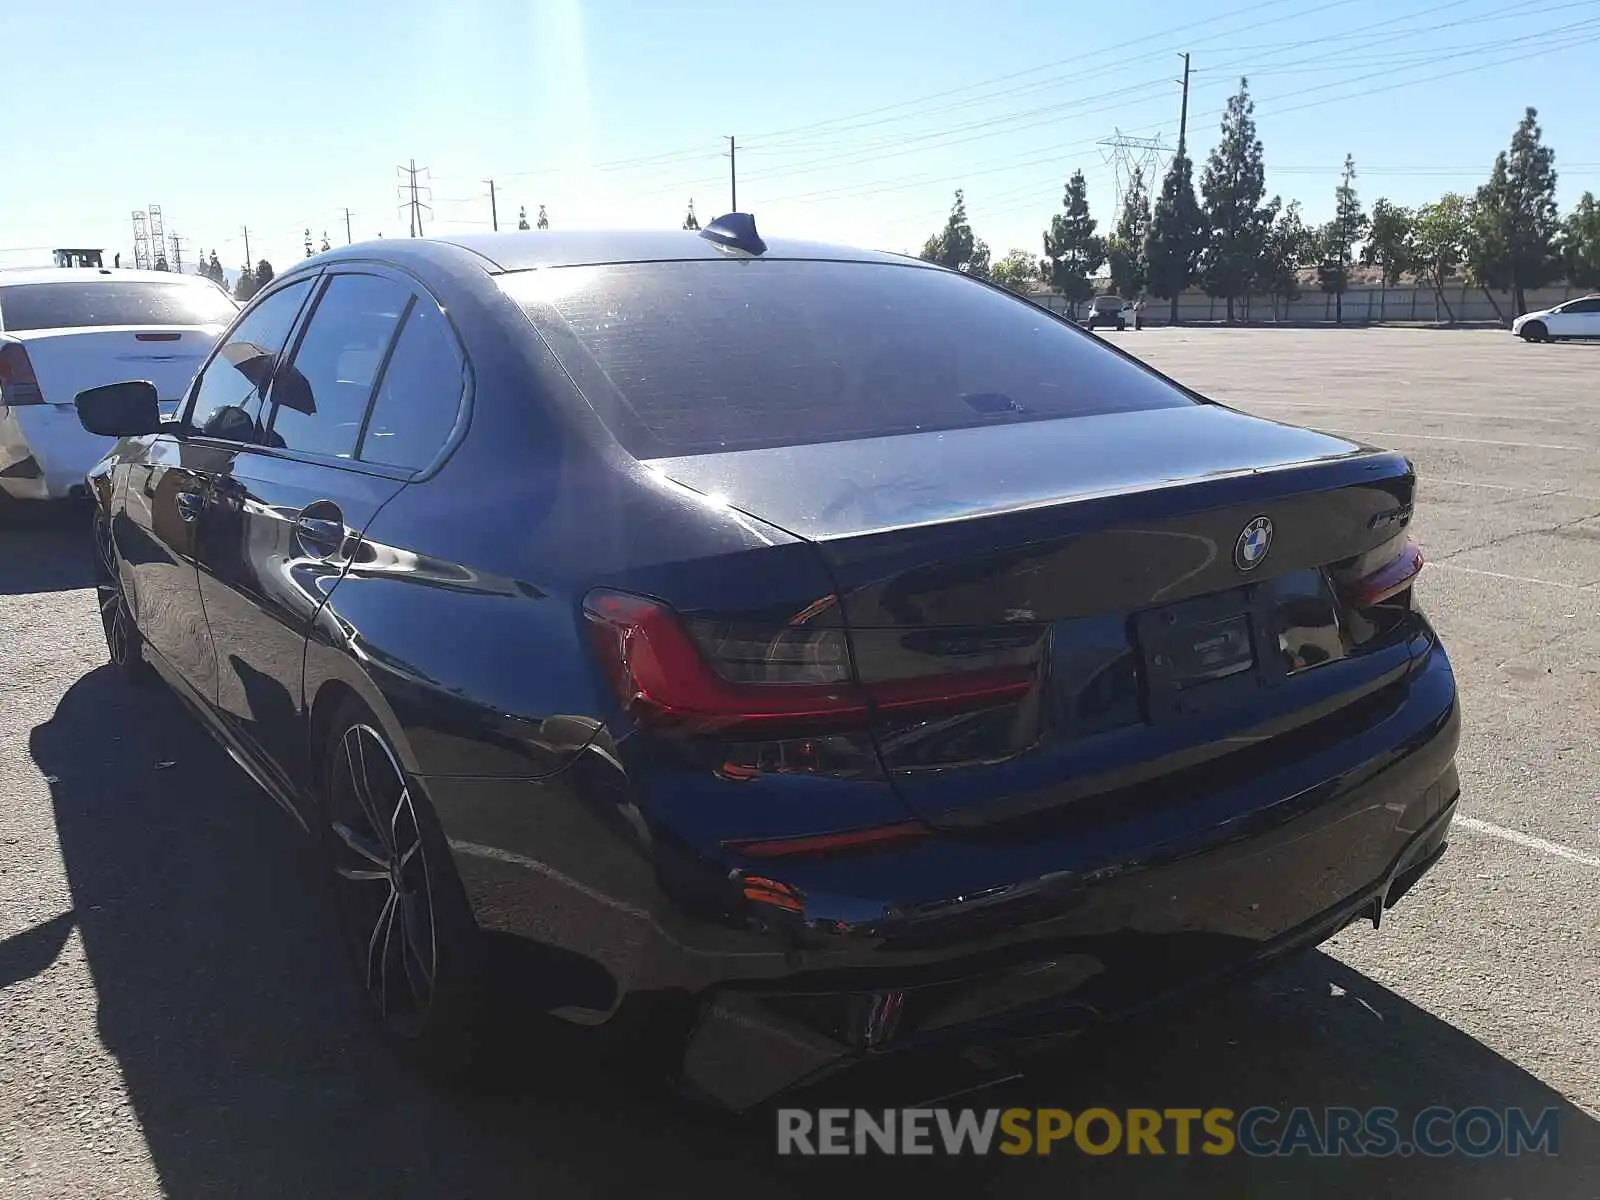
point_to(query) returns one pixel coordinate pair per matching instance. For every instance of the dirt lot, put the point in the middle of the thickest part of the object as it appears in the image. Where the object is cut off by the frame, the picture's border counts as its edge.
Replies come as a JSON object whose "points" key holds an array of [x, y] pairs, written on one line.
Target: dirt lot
{"points": [[173, 1020]]}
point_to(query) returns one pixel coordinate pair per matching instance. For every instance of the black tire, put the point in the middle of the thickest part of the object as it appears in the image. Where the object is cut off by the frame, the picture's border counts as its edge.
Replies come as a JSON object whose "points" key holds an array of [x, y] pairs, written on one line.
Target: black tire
{"points": [[124, 642], [418, 956], [1535, 331]]}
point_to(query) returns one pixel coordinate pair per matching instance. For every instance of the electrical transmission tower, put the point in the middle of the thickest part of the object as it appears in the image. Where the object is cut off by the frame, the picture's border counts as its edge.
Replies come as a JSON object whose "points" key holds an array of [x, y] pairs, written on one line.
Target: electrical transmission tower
{"points": [[1148, 156], [411, 195], [177, 254], [141, 243], [158, 237]]}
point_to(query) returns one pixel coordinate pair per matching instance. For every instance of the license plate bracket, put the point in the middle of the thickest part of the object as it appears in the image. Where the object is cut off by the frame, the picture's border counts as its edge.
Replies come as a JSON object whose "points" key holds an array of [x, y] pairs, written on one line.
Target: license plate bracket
{"points": [[1210, 653]]}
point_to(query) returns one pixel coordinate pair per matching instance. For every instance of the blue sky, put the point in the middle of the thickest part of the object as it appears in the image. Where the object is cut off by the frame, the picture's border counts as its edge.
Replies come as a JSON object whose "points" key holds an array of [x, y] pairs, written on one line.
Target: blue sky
{"points": [[855, 121]]}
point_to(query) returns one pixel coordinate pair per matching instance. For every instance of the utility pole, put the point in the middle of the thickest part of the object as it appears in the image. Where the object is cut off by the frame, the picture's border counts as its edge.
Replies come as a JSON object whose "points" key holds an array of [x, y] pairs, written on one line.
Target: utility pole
{"points": [[733, 174], [1183, 118], [494, 213], [347, 238], [247, 261], [416, 223], [415, 204]]}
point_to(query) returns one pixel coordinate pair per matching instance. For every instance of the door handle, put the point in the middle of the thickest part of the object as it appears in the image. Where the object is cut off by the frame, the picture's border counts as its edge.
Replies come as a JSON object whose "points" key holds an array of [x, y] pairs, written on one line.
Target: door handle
{"points": [[189, 505], [319, 537]]}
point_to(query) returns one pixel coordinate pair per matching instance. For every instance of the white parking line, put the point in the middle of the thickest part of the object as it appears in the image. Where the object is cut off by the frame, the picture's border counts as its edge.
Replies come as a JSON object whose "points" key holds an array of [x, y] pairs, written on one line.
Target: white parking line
{"points": [[1439, 437], [1450, 566], [1554, 849], [1519, 415], [1559, 493]]}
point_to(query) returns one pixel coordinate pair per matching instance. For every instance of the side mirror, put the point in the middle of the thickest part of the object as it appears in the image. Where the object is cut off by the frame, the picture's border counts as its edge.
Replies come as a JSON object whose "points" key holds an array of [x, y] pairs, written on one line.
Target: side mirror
{"points": [[120, 409]]}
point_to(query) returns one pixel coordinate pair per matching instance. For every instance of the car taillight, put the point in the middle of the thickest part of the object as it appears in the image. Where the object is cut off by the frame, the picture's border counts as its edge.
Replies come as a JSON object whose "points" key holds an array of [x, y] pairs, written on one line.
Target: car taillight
{"points": [[1375, 589], [1391, 578], [1380, 574], [18, 385], [698, 676]]}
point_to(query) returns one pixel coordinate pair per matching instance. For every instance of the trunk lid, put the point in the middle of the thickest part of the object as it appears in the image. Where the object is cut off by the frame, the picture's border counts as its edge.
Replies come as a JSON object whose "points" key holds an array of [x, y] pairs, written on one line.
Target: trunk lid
{"points": [[66, 361], [1118, 563]]}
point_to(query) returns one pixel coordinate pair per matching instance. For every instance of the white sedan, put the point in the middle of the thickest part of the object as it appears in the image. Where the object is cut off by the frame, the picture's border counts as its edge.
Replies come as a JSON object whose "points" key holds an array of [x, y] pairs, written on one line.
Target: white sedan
{"points": [[66, 329], [1574, 319]]}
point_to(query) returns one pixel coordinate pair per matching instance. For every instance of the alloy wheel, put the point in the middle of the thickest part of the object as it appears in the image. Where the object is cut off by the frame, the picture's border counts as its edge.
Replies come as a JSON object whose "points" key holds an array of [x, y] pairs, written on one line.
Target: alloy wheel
{"points": [[114, 613], [385, 891]]}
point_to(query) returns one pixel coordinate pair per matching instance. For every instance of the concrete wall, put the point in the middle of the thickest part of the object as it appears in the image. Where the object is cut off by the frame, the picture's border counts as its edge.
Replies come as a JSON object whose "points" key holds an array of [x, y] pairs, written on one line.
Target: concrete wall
{"points": [[1363, 305]]}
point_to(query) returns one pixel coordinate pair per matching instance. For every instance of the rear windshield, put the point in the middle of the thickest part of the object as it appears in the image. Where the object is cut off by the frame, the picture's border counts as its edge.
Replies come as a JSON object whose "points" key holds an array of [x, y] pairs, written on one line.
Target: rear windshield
{"points": [[702, 356], [112, 302]]}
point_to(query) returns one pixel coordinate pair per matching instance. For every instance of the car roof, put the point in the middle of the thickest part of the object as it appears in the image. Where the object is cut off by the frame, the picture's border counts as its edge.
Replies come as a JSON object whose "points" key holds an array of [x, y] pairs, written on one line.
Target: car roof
{"points": [[529, 249], [13, 276]]}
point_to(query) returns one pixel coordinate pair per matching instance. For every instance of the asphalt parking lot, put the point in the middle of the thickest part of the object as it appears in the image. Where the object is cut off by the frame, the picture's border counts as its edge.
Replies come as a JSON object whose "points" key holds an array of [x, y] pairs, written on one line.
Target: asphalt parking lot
{"points": [[173, 1020]]}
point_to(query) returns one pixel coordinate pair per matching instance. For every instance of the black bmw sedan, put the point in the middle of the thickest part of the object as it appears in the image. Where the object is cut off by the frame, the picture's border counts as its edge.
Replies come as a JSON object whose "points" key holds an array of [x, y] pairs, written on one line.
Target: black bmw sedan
{"points": [[818, 654]]}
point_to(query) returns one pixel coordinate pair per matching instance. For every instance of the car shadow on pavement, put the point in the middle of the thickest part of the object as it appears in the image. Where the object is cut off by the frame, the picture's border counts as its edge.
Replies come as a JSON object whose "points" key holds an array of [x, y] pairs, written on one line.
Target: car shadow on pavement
{"points": [[253, 1073], [45, 548]]}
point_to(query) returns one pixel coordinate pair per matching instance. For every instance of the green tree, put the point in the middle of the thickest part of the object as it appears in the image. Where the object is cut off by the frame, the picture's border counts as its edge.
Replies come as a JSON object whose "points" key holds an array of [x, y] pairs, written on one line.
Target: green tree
{"points": [[522, 217], [1487, 257], [1519, 224], [543, 221], [1441, 232], [1232, 187], [309, 251], [691, 221], [1018, 270], [978, 264], [326, 245], [245, 287], [1288, 246], [1072, 249], [1125, 246], [954, 245], [1391, 241], [264, 274], [1177, 234], [161, 263], [214, 269], [1390, 246], [1338, 239], [1581, 243]]}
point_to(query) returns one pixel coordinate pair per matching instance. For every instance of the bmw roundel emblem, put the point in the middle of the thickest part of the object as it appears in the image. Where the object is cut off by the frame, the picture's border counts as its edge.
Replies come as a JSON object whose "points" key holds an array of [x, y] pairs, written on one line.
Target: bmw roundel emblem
{"points": [[1253, 544]]}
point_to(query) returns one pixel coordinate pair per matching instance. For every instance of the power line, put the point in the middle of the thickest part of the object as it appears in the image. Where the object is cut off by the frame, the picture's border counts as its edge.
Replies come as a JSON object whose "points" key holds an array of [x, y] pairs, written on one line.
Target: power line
{"points": [[766, 141], [1418, 57], [1265, 107], [919, 102], [903, 146], [980, 130], [1499, 14], [914, 144]]}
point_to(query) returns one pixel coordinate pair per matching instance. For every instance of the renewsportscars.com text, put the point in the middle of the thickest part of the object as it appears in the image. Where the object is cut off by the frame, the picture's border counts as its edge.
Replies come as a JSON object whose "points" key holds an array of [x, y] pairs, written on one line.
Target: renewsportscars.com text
{"points": [[1261, 1132]]}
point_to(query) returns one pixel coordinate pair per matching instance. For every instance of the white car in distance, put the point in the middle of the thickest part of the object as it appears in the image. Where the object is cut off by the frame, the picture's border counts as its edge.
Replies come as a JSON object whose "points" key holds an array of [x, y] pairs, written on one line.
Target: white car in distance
{"points": [[1578, 318], [66, 329]]}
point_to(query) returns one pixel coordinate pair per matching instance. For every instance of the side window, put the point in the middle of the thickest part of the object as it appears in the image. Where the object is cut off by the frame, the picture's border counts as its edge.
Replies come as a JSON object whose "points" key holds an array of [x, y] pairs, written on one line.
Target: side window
{"points": [[1583, 306], [227, 401], [419, 395], [320, 399]]}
